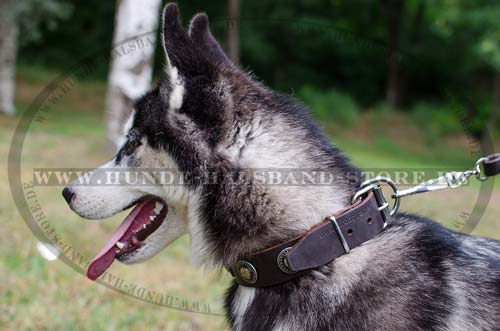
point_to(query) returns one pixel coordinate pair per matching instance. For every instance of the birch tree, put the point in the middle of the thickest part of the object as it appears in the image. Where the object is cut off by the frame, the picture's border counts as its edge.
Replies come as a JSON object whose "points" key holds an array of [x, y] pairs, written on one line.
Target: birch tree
{"points": [[8, 48], [132, 60], [27, 16]]}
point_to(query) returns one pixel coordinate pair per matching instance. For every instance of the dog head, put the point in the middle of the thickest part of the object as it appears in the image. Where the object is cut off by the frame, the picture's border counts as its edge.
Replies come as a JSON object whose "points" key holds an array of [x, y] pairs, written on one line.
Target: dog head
{"points": [[207, 116], [175, 127]]}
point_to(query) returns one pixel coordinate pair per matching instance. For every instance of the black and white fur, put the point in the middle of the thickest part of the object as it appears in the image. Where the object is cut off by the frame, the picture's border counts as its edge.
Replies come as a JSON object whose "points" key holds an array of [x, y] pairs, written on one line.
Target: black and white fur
{"points": [[209, 116]]}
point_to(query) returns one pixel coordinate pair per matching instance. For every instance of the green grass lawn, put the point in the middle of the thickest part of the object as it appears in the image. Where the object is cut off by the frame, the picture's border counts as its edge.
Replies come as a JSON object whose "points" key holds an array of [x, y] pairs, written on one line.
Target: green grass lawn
{"points": [[41, 295]]}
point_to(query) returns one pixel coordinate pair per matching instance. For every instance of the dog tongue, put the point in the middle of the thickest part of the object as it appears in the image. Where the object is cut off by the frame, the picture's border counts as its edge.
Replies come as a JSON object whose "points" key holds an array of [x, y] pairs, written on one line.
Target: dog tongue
{"points": [[134, 221]]}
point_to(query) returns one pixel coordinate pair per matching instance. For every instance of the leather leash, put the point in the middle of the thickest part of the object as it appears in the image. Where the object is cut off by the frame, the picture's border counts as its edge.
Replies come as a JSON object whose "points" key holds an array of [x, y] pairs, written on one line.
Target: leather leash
{"points": [[367, 216], [491, 165]]}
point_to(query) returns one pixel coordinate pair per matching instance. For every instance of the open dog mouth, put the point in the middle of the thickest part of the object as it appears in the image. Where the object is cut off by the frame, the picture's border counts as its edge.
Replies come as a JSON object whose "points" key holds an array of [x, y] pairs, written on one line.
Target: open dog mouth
{"points": [[147, 215]]}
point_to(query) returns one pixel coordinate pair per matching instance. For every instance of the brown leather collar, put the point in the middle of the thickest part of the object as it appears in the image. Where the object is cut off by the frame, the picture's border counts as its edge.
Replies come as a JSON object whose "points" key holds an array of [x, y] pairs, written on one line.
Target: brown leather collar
{"points": [[326, 241]]}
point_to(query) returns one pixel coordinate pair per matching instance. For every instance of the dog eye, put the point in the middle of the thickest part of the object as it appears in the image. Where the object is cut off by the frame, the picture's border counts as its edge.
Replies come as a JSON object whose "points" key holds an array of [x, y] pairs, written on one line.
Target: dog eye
{"points": [[133, 144]]}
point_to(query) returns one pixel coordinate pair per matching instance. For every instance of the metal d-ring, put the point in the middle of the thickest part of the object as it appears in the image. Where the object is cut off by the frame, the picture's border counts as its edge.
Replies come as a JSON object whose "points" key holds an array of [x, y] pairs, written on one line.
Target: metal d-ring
{"points": [[370, 184], [477, 169]]}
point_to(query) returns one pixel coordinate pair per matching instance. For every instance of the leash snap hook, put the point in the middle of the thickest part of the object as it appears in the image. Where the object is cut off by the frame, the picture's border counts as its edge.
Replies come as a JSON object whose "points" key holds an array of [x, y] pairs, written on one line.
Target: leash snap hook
{"points": [[456, 179]]}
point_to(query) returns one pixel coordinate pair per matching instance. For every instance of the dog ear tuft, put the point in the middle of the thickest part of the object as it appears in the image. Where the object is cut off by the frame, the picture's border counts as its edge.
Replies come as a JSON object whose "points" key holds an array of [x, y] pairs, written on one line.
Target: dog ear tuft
{"points": [[171, 17], [199, 31], [180, 50], [199, 24], [172, 29]]}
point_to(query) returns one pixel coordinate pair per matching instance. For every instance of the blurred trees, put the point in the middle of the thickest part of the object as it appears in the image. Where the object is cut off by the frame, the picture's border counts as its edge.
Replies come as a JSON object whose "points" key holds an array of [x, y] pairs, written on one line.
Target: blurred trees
{"points": [[233, 51], [394, 12], [400, 51], [478, 24], [30, 16]]}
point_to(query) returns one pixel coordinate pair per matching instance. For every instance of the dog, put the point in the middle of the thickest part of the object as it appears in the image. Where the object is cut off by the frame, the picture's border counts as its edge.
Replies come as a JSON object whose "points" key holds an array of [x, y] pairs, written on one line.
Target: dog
{"points": [[207, 116]]}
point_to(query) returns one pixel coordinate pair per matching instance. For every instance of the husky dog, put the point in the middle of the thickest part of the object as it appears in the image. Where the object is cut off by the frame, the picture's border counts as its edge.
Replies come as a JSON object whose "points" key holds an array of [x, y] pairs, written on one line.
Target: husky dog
{"points": [[208, 116]]}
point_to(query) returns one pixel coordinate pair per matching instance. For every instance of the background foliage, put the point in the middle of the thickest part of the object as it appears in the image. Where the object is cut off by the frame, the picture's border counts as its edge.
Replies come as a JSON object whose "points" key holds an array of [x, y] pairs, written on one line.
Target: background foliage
{"points": [[449, 46]]}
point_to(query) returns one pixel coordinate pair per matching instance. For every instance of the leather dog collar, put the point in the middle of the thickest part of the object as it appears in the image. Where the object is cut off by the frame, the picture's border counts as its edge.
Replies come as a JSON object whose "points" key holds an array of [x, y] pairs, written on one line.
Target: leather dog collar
{"points": [[333, 237]]}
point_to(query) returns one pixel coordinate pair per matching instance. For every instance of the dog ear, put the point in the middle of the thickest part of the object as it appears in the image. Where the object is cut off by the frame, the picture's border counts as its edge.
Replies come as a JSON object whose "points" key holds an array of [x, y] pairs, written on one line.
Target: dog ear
{"points": [[199, 31], [180, 50]]}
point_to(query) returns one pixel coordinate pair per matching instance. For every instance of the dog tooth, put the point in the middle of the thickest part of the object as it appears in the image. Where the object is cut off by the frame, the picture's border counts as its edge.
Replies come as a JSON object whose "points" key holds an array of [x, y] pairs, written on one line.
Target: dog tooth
{"points": [[158, 207], [144, 226], [120, 245], [152, 218]]}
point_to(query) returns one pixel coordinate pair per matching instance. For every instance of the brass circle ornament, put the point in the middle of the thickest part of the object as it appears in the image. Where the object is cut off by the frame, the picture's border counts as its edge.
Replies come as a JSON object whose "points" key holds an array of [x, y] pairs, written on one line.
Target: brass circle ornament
{"points": [[283, 262], [246, 271]]}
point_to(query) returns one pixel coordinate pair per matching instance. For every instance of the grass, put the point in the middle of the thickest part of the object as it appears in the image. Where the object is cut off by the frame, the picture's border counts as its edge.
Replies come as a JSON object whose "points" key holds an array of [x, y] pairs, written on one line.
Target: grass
{"points": [[41, 295]]}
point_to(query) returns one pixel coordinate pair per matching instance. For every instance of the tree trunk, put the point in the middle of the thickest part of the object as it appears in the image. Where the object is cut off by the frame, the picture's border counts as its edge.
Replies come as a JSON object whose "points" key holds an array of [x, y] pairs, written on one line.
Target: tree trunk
{"points": [[486, 141], [131, 61], [492, 123], [232, 30], [394, 12], [8, 50], [418, 19]]}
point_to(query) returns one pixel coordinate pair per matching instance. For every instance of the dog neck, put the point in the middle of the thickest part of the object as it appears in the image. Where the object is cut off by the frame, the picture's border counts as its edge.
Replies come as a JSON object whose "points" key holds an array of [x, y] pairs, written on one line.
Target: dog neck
{"points": [[233, 219]]}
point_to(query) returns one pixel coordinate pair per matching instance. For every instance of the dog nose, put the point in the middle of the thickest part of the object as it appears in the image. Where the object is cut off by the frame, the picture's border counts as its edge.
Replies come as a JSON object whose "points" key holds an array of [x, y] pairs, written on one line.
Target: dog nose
{"points": [[68, 195]]}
